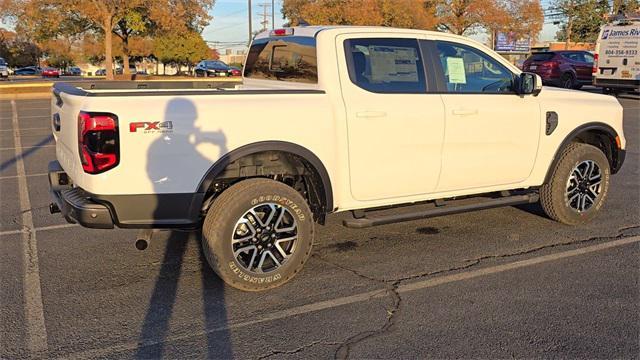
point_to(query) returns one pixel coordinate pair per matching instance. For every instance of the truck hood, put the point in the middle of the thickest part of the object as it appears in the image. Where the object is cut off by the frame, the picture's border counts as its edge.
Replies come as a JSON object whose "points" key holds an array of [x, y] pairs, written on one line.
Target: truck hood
{"points": [[577, 108], [554, 93]]}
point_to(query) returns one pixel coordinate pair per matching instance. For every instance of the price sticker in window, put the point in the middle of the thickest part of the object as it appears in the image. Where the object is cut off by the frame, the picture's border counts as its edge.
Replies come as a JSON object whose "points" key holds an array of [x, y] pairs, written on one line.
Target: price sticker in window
{"points": [[455, 70]]}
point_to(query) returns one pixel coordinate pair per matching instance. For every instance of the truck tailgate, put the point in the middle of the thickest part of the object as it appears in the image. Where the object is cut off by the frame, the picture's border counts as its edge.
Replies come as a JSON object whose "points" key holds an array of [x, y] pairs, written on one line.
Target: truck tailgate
{"points": [[64, 125]]}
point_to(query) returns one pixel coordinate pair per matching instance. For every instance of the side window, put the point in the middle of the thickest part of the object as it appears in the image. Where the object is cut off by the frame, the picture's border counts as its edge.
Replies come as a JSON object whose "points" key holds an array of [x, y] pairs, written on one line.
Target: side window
{"points": [[469, 70], [385, 65]]}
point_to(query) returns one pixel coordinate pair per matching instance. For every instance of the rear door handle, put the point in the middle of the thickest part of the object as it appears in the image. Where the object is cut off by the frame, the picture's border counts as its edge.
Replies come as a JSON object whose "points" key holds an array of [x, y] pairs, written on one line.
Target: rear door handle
{"points": [[371, 114], [464, 112]]}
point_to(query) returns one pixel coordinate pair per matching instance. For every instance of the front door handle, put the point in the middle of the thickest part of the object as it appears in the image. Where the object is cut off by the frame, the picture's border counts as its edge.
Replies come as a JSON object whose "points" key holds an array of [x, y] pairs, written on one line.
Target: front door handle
{"points": [[371, 114], [464, 112]]}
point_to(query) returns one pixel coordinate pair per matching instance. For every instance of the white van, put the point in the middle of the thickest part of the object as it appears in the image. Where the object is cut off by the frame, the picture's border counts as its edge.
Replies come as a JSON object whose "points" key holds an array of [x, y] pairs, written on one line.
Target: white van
{"points": [[617, 58]]}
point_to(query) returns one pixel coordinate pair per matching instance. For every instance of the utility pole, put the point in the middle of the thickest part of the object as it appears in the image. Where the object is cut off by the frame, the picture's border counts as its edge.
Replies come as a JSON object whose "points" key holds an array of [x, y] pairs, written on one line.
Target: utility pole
{"points": [[265, 14], [273, 14], [250, 27]]}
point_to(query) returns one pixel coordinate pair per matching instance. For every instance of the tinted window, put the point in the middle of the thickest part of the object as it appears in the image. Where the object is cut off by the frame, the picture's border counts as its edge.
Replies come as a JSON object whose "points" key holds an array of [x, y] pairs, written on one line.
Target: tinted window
{"points": [[579, 56], [287, 58], [588, 58], [542, 56], [469, 70], [386, 65], [215, 64]]}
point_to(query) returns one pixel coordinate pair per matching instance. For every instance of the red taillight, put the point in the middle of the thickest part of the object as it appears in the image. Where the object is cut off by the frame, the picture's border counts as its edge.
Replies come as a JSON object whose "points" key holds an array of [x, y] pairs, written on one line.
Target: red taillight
{"points": [[97, 141], [549, 64], [594, 69], [281, 32]]}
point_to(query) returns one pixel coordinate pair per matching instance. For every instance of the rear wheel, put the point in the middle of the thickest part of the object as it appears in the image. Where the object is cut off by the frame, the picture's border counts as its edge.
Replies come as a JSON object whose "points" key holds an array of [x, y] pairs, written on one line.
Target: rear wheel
{"points": [[579, 185], [258, 234], [567, 81]]}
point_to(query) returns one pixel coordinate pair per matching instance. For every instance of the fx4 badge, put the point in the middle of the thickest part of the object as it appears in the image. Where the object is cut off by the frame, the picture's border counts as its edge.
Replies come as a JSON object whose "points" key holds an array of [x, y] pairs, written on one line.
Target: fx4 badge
{"points": [[151, 127]]}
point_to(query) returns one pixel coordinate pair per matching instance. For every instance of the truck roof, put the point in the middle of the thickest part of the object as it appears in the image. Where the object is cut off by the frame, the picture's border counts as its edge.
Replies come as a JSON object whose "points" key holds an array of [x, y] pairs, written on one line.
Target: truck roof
{"points": [[312, 31]]}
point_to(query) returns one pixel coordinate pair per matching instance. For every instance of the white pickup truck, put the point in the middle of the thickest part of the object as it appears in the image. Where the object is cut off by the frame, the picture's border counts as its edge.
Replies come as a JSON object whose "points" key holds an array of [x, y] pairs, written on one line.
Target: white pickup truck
{"points": [[328, 119]]}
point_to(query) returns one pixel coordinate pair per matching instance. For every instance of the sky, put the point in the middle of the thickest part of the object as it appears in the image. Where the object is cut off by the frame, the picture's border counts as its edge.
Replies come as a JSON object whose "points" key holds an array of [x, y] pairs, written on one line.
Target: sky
{"points": [[229, 27]]}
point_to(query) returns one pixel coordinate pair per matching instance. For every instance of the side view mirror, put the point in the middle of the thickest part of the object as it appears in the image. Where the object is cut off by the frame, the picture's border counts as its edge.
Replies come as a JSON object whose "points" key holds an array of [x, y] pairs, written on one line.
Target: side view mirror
{"points": [[529, 83]]}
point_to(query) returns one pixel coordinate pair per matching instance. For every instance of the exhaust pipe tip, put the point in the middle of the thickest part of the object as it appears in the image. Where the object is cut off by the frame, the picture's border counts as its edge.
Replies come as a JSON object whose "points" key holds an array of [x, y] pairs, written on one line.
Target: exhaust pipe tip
{"points": [[142, 244], [143, 239]]}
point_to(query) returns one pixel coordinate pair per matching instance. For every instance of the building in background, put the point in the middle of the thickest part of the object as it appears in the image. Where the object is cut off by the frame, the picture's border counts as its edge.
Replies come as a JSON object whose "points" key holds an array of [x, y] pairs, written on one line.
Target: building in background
{"points": [[233, 58]]}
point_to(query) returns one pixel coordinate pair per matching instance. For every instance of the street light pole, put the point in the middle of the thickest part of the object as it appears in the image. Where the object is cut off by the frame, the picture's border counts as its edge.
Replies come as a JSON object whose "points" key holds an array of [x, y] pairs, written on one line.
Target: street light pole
{"points": [[273, 14], [250, 27]]}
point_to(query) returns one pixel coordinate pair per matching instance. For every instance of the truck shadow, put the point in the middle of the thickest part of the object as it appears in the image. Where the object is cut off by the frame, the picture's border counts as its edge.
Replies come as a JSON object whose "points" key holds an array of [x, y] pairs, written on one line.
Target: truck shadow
{"points": [[172, 155]]}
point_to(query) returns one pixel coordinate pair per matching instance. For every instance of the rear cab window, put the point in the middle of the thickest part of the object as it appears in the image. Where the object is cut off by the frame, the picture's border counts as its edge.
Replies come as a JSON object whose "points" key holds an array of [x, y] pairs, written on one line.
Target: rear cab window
{"points": [[386, 65], [286, 58]]}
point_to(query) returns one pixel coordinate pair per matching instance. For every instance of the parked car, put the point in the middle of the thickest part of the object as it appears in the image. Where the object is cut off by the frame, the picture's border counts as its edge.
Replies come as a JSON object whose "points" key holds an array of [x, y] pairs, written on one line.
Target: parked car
{"points": [[50, 72], [567, 69], [4, 69], [28, 70], [235, 71], [132, 70], [617, 65], [212, 68], [73, 71], [101, 72], [387, 117]]}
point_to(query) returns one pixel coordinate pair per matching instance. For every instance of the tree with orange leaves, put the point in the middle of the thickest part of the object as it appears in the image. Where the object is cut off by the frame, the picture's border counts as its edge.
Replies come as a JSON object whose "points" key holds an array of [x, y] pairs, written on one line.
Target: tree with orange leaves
{"points": [[415, 14], [120, 17]]}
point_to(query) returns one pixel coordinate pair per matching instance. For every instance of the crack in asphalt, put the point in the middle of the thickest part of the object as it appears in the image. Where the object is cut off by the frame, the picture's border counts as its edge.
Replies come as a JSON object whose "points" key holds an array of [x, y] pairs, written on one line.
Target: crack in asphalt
{"points": [[344, 350], [297, 350]]}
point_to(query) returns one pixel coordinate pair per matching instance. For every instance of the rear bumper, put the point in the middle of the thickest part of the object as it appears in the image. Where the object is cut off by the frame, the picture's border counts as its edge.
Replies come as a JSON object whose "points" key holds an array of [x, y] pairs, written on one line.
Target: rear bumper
{"points": [[617, 83], [73, 202], [183, 210]]}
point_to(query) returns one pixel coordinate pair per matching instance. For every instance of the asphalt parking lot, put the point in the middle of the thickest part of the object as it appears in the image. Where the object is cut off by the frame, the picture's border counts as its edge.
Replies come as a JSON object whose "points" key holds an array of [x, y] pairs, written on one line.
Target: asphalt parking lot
{"points": [[498, 283]]}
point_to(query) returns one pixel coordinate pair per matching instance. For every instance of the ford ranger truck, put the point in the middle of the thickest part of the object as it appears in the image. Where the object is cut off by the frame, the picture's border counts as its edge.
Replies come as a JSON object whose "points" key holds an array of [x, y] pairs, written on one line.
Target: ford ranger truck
{"points": [[327, 120]]}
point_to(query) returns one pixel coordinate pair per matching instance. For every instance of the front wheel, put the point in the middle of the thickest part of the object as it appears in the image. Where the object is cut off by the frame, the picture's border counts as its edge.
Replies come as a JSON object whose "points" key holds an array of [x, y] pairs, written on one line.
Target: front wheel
{"points": [[258, 234], [578, 186]]}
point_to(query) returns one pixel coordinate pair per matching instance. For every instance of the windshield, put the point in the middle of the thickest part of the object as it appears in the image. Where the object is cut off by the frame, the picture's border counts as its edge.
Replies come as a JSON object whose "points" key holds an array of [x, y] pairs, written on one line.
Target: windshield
{"points": [[215, 64], [2, 62]]}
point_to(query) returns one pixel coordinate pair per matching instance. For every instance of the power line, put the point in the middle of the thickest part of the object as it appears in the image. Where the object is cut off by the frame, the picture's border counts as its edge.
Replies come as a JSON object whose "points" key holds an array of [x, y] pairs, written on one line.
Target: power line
{"points": [[265, 14]]}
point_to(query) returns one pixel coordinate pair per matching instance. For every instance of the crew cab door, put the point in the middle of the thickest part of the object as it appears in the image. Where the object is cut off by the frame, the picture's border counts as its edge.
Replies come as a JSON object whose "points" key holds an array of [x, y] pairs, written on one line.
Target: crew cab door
{"points": [[395, 128], [492, 133]]}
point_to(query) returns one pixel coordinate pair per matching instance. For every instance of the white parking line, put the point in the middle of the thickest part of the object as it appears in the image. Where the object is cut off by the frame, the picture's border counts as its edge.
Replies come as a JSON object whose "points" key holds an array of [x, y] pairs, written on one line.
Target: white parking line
{"points": [[32, 291], [27, 147], [357, 298], [17, 176], [27, 129], [28, 117], [39, 229]]}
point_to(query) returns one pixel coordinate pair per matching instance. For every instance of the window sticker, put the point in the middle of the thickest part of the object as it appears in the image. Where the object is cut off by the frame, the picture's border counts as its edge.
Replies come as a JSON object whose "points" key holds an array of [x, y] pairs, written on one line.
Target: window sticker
{"points": [[393, 64], [455, 70]]}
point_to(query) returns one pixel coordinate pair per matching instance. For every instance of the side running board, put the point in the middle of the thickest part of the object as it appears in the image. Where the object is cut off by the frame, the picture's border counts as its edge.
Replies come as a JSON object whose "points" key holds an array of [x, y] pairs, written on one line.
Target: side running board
{"points": [[447, 209]]}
